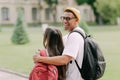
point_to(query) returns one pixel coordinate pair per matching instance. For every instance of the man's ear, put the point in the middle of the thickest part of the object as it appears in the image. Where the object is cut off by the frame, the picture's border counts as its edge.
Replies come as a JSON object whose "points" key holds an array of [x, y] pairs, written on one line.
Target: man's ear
{"points": [[77, 20]]}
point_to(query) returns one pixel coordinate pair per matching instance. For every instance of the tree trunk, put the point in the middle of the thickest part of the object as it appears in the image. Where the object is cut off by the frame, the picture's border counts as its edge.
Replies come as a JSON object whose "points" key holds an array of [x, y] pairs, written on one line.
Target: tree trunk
{"points": [[54, 14], [99, 19], [39, 12]]}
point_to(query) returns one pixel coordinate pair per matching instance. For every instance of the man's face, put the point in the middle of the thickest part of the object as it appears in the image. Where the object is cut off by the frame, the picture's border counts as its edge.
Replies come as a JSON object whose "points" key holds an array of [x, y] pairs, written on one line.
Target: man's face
{"points": [[69, 21]]}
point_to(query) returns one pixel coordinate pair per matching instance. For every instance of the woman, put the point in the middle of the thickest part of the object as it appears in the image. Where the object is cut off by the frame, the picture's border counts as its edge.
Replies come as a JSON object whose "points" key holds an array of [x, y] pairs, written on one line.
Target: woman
{"points": [[53, 44]]}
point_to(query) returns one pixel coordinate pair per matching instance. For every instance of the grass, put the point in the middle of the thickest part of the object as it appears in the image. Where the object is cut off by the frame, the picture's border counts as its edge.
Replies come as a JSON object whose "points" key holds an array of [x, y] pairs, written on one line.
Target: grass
{"points": [[108, 38], [19, 57]]}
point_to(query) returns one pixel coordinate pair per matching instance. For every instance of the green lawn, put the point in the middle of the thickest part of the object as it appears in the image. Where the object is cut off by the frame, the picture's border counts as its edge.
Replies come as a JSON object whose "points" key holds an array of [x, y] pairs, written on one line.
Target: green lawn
{"points": [[19, 57], [109, 40]]}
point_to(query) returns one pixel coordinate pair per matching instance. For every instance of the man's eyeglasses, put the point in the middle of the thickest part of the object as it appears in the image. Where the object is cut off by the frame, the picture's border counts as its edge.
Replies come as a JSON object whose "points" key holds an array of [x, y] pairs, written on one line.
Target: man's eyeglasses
{"points": [[66, 18]]}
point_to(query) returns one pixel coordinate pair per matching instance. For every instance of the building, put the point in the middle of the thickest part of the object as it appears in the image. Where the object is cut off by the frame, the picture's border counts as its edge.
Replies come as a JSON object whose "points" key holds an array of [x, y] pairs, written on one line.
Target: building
{"points": [[36, 11]]}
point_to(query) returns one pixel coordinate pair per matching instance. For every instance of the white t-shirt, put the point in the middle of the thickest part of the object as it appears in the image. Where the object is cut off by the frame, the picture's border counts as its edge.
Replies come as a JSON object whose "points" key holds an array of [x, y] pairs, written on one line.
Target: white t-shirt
{"points": [[74, 46]]}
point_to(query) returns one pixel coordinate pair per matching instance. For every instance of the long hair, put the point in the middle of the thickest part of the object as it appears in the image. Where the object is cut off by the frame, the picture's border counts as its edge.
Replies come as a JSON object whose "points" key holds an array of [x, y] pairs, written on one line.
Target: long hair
{"points": [[53, 42]]}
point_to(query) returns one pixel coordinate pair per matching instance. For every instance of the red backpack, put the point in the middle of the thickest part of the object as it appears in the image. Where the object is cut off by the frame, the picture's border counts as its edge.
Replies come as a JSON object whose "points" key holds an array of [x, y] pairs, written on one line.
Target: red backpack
{"points": [[43, 71]]}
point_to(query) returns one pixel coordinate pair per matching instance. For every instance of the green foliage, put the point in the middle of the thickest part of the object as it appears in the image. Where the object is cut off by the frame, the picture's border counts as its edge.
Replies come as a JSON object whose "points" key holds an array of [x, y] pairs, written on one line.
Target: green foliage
{"points": [[84, 26], [79, 2], [0, 29], [90, 2], [108, 9], [10, 55], [51, 2], [19, 36], [92, 23]]}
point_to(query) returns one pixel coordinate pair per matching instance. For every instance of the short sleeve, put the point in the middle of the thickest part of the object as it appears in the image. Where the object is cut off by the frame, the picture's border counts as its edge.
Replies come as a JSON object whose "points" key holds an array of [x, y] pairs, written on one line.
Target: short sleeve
{"points": [[72, 44]]}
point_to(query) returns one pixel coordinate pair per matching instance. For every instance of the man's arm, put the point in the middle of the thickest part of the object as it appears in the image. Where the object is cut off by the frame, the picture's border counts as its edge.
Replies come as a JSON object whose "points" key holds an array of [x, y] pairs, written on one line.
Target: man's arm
{"points": [[56, 60]]}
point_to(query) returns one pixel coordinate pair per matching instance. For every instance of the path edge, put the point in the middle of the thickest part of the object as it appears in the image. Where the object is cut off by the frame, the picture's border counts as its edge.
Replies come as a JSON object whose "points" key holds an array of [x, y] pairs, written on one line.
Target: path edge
{"points": [[14, 73]]}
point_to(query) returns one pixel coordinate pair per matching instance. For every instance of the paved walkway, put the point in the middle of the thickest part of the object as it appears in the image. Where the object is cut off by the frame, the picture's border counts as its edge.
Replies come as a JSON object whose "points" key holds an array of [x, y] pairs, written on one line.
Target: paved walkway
{"points": [[7, 75]]}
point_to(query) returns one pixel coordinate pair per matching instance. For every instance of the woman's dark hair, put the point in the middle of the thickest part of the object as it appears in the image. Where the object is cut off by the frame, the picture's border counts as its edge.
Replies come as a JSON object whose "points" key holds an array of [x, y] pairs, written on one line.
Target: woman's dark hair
{"points": [[53, 42]]}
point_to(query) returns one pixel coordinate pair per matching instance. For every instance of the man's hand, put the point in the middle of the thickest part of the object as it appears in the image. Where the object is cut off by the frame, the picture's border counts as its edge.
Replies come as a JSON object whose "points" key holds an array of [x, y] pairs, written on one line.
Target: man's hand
{"points": [[36, 57]]}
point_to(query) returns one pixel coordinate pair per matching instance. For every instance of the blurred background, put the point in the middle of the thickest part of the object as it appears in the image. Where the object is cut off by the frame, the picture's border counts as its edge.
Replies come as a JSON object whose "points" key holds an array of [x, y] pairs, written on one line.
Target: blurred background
{"points": [[22, 23], [49, 11]]}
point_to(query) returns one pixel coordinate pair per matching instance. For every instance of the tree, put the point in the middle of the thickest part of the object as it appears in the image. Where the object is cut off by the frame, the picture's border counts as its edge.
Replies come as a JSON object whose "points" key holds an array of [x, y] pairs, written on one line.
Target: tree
{"points": [[52, 5], [108, 9], [19, 35], [91, 3], [40, 7], [0, 29]]}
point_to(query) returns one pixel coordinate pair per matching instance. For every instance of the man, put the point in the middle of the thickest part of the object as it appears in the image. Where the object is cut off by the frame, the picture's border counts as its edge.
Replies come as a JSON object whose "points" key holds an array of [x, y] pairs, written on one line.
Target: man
{"points": [[74, 46]]}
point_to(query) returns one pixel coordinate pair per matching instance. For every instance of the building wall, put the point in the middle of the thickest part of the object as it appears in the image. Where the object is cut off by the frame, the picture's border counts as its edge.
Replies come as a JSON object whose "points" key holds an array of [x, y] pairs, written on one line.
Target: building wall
{"points": [[12, 6], [86, 13], [41, 14]]}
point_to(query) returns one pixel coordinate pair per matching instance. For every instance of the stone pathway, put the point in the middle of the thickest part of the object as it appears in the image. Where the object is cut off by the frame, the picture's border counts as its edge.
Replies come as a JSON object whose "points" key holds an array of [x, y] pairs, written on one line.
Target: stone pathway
{"points": [[7, 75]]}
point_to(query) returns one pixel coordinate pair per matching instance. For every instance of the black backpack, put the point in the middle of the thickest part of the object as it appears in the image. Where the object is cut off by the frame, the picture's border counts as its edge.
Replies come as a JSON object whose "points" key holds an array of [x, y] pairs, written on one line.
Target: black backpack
{"points": [[94, 64]]}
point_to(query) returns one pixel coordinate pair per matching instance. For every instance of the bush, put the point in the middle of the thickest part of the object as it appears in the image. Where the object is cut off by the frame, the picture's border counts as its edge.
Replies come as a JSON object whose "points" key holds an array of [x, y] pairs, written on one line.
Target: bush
{"points": [[19, 36], [108, 9], [84, 26], [0, 29]]}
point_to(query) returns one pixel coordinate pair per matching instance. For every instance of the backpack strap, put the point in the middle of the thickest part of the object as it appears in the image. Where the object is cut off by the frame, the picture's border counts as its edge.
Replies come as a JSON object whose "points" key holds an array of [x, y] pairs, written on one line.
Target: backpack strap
{"points": [[84, 36], [79, 33], [78, 67]]}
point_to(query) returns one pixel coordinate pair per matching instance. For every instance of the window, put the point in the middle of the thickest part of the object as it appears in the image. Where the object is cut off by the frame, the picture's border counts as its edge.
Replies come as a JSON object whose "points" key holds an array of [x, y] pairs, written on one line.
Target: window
{"points": [[34, 13], [47, 13], [5, 14]]}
